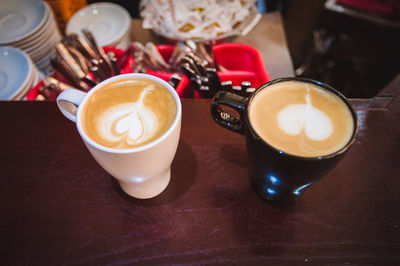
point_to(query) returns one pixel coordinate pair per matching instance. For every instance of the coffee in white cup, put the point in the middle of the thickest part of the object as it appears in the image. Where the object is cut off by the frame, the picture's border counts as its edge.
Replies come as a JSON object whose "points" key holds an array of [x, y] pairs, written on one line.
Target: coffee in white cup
{"points": [[128, 113], [131, 125]]}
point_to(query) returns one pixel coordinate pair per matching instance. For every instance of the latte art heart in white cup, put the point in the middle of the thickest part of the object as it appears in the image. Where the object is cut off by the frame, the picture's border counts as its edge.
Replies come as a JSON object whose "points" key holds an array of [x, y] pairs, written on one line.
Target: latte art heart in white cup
{"points": [[301, 118], [129, 123], [129, 113]]}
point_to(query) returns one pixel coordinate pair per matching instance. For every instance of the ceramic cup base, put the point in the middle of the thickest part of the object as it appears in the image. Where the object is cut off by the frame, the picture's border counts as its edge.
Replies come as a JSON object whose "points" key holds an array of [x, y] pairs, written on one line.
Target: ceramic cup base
{"points": [[276, 194], [147, 189]]}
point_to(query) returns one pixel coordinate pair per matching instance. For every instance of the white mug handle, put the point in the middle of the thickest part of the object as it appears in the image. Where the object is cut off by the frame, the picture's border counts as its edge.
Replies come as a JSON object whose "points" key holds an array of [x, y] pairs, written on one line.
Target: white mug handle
{"points": [[68, 102]]}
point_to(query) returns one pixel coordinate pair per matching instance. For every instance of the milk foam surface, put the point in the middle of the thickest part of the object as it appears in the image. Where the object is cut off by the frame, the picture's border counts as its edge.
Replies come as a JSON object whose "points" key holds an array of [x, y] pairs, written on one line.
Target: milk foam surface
{"points": [[132, 123], [128, 113], [297, 117], [301, 118]]}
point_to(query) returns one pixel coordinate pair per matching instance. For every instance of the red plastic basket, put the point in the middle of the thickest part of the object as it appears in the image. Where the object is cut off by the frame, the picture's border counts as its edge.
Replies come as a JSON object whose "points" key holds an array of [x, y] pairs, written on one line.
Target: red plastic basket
{"points": [[242, 63]]}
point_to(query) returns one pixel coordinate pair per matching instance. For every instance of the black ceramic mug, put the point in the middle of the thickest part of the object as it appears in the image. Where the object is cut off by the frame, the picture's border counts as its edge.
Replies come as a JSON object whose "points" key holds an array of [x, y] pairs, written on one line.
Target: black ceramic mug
{"points": [[296, 131]]}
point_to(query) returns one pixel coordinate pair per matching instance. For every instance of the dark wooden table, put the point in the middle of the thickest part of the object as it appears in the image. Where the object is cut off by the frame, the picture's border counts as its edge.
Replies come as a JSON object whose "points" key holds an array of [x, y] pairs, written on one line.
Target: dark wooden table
{"points": [[59, 207]]}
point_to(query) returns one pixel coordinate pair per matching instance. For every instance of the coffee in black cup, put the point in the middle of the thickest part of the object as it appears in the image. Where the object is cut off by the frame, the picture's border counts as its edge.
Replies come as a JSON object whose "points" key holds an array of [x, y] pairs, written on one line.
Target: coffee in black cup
{"points": [[301, 119], [296, 131]]}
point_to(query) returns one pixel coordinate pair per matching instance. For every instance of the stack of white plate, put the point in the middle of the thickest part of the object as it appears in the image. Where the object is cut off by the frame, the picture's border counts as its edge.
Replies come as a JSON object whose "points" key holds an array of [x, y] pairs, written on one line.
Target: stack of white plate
{"points": [[30, 26], [109, 23], [17, 74]]}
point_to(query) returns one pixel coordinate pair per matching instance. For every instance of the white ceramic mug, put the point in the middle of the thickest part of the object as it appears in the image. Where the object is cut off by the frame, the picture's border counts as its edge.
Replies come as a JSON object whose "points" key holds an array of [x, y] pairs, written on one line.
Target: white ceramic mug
{"points": [[143, 172]]}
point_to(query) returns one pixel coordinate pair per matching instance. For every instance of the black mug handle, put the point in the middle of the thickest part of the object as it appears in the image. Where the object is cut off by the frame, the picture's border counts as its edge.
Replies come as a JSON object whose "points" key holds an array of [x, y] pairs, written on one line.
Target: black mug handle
{"points": [[238, 103]]}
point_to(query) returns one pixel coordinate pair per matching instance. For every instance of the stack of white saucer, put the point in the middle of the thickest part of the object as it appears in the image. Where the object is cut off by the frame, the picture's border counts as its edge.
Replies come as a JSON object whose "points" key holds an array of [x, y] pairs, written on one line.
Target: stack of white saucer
{"points": [[30, 26], [17, 74], [109, 23]]}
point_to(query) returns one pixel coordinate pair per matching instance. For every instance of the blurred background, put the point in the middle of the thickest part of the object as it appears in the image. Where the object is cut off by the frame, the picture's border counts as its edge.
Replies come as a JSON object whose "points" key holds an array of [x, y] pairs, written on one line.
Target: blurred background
{"points": [[352, 45]]}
